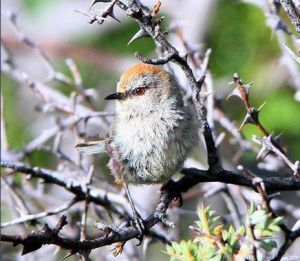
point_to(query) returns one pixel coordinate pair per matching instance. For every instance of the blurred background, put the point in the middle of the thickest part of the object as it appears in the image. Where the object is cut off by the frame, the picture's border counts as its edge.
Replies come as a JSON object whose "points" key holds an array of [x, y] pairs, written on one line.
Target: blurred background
{"points": [[242, 39]]}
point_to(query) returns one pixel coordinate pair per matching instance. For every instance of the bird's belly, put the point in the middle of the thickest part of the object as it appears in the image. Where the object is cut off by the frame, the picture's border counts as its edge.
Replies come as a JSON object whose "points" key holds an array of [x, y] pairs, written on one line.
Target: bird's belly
{"points": [[152, 153]]}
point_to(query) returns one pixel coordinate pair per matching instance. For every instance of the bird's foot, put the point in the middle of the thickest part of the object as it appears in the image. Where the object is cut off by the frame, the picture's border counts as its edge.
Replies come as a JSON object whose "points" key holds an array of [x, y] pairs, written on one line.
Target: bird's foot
{"points": [[177, 196], [139, 223]]}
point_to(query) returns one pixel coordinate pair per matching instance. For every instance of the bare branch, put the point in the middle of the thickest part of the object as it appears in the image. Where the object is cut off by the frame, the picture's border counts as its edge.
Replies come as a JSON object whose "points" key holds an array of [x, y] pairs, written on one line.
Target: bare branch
{"points": [[40, 215], [291, 10]]}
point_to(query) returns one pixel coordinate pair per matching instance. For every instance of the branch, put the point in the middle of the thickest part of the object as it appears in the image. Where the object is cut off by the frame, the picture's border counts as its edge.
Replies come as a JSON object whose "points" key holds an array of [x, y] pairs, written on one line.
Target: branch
{"points": [[290, 237], [84, 191], [123, 234], [291, 10], [47, 213], [272, 184], [37, 238], [77, 189], [269, 144]]}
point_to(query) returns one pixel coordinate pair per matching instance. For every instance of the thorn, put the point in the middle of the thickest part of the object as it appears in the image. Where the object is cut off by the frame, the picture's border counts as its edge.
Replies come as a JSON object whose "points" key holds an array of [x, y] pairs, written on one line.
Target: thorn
{"points": [[201, 81], [93, 18], [205, 95], [297, 168], [30, 247], [160, 19], [112, 15], [264, 152], [87, 15], [97, 1], [139, 34], [266, 148], [247, 87], [277, 138], [110, 12], [68, 255], [248, 119], [282, 26], [261, 106], [251, 117], [236, 91], [185, 56]]}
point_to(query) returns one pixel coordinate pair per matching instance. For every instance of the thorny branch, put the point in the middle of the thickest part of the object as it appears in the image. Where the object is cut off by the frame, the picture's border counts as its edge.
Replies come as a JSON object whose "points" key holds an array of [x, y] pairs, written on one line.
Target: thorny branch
{"points": [[269, 143], [191, 178], [150, 27], [96, 196], [291, 10]]}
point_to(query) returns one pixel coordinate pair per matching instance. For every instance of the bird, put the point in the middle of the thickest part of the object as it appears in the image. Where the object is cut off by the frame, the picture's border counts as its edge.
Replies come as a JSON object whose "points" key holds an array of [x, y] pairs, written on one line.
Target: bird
{"points": [[152, 132]]}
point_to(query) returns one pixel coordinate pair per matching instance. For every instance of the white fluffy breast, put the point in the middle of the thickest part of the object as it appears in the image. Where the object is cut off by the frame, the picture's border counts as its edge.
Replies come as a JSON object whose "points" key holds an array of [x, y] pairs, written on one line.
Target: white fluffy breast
{"points": [[152, 145]]}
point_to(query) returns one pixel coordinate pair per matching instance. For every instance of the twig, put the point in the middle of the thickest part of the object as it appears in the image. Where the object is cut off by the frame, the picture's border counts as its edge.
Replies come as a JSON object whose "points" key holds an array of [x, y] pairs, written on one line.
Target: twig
{"points": [[86, 202], [150, 25], [269, 144], [290, 238], [291, 10], [40, 215], [268, 147], [21, 207], [232, 206], [77, 189]]}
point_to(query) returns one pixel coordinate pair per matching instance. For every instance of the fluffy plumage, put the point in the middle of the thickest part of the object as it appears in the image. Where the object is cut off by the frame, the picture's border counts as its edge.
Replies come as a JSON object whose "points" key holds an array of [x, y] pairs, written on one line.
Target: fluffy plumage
{"points": [[152, 132], [151, 135]]}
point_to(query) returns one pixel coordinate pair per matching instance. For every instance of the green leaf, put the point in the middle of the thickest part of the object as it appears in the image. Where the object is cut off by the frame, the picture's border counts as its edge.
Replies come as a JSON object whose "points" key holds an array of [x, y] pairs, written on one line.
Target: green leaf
{"points": [[258, 217], [268, 244], [213, 242]]}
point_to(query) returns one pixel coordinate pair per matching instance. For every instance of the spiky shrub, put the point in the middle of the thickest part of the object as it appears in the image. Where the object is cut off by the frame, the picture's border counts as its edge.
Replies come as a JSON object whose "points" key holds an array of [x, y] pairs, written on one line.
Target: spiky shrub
{"points": [[215, 241]]}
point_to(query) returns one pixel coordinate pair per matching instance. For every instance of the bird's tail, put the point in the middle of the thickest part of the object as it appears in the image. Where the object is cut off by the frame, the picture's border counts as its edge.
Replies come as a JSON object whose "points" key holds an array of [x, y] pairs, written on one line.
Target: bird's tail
{"points": [[91, 147]]}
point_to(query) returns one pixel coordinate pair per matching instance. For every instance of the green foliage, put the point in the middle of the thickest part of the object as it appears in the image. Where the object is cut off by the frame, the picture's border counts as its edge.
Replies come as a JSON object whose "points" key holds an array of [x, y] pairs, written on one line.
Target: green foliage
{"points": [[215, 242], [283, 103], [263, 226], [36, 5], [116, 39], [240, 40], [15, 123]]}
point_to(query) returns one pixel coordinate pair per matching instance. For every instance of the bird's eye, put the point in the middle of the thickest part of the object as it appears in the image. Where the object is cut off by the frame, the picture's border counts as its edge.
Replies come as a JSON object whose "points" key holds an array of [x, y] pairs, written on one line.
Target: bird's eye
{"points": [[140, 90]]}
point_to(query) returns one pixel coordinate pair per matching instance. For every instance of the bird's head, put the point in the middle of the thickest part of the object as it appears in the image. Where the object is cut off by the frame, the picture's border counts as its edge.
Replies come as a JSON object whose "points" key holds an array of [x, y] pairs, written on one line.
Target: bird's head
{"points": [[144, 87]]}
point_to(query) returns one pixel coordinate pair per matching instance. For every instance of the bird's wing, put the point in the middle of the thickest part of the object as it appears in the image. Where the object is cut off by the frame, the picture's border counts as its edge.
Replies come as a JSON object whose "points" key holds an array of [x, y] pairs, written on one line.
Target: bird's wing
{"points": [[91, 147]]}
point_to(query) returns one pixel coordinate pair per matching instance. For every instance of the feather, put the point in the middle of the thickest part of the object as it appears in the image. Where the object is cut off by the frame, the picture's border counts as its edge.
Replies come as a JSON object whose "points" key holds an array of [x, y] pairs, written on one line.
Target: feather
{"points": [[91, 147]]}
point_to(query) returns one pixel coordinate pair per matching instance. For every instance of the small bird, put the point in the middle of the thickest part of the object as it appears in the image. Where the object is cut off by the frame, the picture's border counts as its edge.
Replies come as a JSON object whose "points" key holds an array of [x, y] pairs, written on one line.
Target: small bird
{"points": [[152, 132]]}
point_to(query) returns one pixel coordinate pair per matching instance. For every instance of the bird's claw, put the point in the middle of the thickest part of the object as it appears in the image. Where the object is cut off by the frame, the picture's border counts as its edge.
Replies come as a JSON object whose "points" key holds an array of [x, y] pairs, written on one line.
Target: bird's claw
{"points": [[139, 223], [178, 197]]}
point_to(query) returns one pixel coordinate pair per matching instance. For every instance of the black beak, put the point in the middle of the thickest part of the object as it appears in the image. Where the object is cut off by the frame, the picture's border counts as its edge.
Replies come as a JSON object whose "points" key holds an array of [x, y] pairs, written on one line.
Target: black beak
{"points": [[115, 96]]}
